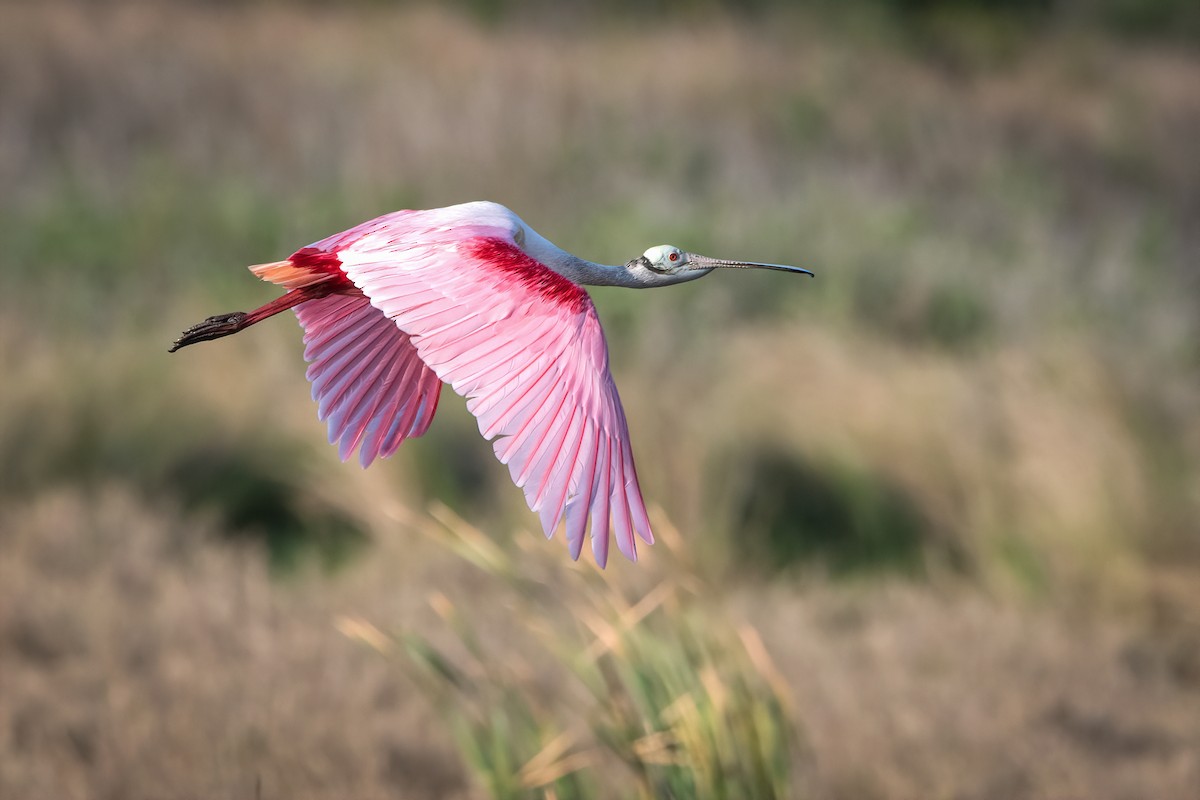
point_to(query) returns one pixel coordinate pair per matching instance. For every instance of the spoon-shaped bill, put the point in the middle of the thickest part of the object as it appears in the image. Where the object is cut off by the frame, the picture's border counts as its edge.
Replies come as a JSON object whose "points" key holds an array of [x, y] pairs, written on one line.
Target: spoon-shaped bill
{"points": [[696, 261]]}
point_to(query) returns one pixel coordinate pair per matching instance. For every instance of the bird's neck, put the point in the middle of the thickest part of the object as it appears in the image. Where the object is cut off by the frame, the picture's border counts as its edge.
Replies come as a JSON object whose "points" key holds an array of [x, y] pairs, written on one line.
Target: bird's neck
{"points": [[574, 268], [589, 273]]}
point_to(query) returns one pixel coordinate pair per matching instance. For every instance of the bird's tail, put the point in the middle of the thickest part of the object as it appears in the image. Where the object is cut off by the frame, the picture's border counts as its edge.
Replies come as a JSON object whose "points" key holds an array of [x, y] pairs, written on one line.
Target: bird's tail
{"points": [[308, 266], [287, 274]]}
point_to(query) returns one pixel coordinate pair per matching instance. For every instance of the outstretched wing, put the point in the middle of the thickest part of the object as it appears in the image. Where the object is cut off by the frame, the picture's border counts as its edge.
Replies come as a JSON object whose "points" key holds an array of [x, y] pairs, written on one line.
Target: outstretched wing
{"points": [[524, 346], [369, 383]]}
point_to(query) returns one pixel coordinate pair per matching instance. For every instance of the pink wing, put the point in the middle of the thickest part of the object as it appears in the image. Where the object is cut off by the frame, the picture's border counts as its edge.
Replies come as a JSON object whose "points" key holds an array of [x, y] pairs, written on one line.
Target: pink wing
{"points": [[524, 346], [367, 379]]}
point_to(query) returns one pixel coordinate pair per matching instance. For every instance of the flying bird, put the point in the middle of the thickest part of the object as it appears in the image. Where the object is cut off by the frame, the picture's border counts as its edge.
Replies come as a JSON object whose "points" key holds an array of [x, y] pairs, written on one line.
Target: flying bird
{"points": [[471, 296]]}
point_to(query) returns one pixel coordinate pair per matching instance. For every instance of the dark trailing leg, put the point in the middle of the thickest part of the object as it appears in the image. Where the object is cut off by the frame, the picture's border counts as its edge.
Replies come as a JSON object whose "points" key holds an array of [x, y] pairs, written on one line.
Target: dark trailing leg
{"points": [[211, 328], [225, 324]]}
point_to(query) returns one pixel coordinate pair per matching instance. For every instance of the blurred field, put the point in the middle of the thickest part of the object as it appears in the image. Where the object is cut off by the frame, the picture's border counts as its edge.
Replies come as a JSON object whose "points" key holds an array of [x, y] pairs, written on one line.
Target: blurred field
{"points": [[929, 520]]}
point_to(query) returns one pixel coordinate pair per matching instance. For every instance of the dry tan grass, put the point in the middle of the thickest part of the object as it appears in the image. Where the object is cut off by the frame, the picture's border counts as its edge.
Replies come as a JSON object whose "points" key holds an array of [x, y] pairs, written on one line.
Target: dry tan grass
{"points": [[141, 660], [374, 96]]}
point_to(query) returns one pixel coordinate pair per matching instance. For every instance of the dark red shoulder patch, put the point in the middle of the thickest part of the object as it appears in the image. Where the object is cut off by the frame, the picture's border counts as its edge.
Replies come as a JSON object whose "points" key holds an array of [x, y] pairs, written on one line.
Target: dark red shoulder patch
{"points": [[520, 266]]}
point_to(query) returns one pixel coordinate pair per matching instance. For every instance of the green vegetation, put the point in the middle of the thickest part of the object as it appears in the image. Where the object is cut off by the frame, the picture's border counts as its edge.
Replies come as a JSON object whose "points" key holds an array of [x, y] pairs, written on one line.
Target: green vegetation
{"points": [[834, 516]]}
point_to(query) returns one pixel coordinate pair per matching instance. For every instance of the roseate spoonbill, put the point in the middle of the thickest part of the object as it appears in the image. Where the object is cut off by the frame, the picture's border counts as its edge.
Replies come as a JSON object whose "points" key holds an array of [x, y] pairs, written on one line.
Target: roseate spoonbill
{"points": [[471, 296]]}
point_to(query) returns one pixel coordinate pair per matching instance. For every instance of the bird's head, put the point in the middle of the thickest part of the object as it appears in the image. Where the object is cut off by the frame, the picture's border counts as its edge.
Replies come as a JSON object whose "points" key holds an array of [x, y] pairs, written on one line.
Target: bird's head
{"points": [[666, 264]]}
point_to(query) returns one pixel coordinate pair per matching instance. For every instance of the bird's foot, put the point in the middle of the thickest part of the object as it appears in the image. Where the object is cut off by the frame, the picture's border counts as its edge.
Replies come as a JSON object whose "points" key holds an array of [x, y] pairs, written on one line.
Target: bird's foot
{"points": [[211, 328]]}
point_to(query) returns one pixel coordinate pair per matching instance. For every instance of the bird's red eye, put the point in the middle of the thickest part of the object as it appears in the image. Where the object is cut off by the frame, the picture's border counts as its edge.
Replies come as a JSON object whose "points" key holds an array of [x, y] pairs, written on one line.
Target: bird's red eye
{"points": [[674, 256]]}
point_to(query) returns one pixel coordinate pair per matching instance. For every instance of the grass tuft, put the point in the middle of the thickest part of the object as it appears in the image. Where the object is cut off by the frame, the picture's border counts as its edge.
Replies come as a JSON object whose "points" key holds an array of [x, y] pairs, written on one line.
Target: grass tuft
{"points": [[663, 698]]}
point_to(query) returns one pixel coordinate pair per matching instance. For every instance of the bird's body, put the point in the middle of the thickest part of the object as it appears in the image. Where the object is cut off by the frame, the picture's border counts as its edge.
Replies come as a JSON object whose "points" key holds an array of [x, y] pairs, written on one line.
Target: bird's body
{"points": [[471, 296]]}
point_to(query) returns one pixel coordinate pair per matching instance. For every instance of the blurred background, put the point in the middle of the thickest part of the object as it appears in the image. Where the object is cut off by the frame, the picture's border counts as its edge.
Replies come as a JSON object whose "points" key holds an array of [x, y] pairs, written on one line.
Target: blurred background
{"points": [[928, 522]]}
